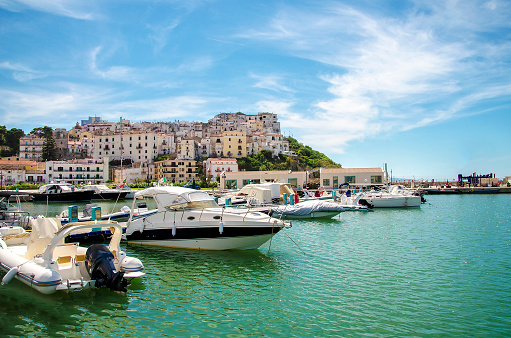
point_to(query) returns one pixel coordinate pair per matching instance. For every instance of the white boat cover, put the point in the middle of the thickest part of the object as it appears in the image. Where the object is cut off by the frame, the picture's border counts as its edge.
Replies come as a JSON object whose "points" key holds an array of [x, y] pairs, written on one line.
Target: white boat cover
{"points": [[166, 196], [308, 207]]}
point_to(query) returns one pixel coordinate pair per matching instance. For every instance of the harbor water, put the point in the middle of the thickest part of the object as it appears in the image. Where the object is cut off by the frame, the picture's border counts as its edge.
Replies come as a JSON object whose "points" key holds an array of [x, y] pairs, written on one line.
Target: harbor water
{"points": [[442, 270]]}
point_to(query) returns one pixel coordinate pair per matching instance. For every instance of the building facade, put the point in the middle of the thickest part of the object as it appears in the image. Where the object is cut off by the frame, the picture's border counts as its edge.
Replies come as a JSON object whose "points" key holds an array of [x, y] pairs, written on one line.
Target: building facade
{"points": [[237, 180], [31, 147], [78, 171], [176, 171], [213, 167], [333, 178]]}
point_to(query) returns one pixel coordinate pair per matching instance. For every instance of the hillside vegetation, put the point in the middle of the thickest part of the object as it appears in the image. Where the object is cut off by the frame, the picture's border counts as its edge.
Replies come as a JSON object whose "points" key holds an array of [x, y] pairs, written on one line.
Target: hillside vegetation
{"points": [[307, 159]]}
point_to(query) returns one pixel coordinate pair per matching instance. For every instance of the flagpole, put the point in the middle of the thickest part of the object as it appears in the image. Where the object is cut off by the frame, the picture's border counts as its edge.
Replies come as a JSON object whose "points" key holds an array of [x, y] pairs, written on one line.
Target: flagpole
{"points": [[120, 123]]}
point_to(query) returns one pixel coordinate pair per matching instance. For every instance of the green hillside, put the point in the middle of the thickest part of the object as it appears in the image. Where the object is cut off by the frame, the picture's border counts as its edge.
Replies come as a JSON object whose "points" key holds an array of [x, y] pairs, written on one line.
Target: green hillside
{"points": [[307, 159]]}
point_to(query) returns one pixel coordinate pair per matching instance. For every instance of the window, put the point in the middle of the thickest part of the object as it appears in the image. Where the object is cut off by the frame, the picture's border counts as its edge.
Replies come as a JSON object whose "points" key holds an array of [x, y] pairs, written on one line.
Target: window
{"points": [[231, 184], [349, 179], [326, 182], [376, 179], [293, 182]]}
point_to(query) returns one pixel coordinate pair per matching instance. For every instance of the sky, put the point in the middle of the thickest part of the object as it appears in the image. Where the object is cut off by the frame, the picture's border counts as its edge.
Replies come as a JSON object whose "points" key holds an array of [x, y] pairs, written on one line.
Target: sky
{"points": [[423, 86]]}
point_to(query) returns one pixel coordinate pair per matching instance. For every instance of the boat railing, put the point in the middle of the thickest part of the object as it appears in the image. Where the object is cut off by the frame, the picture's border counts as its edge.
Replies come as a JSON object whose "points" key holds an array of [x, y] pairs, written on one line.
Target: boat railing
{"points": [[19, 218]]}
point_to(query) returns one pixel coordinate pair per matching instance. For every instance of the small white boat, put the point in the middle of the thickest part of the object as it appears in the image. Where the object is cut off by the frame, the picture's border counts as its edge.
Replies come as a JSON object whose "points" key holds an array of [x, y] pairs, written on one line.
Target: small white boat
{"points": [[308, 209], [42, 260], [350, 203], [188, 218], [395, 197]]}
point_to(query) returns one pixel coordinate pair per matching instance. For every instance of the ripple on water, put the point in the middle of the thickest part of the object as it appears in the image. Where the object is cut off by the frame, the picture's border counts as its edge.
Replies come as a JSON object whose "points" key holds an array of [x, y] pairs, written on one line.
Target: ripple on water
{"points": [[442, 269]]}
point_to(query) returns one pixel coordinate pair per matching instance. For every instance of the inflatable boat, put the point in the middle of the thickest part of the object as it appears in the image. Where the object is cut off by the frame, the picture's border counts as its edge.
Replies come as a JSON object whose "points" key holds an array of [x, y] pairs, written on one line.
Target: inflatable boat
{"points": [[42, 260]]}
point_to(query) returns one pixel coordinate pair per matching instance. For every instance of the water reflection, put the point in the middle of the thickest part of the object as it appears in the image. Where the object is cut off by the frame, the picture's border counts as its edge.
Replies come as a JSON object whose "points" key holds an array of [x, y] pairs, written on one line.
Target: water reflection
{"points": [[26, 312]]}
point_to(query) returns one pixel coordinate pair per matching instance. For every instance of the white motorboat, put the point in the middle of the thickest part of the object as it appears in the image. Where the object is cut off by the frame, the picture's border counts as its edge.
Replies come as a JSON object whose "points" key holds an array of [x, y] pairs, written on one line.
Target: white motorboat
{"points": [[188, 218], [102, 192], [308, 209], [42, 260], [395, 197], [61, 192]]}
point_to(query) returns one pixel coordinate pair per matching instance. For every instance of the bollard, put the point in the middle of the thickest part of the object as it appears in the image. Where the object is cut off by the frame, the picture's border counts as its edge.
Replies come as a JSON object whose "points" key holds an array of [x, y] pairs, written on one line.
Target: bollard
{"points": [[73, 213], [96, 213]]}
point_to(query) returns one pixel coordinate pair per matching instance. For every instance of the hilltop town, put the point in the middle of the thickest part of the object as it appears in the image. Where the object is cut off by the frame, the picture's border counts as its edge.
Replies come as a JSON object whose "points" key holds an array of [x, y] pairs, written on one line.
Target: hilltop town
{"points": [[96, 150]]}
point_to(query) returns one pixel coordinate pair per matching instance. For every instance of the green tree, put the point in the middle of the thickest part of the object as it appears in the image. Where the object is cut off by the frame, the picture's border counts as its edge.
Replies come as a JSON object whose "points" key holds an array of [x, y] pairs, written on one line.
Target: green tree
{"points": [[50, 152], [310, 158], [10, 141], [13, 139]]}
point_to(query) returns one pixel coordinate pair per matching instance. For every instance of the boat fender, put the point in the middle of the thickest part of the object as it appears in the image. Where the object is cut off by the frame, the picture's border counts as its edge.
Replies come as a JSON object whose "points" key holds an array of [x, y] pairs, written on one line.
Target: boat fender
{"points": [[221, 227], [174, 229], [10, 275]]}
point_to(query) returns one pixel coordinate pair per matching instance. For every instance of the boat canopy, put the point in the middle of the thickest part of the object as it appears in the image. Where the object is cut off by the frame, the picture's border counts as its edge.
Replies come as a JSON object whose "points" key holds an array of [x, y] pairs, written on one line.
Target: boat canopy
{"points": [[170, 197], [277, 189]]}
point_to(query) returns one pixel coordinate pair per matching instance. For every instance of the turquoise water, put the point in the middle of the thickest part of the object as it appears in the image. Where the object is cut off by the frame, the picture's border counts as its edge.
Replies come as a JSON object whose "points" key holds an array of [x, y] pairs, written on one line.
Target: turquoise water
{"points": [[441, 270]]}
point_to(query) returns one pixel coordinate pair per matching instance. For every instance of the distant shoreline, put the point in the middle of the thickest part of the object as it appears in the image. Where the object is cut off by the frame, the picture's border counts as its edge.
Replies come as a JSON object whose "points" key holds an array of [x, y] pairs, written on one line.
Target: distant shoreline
{"points": [[466, 190]]}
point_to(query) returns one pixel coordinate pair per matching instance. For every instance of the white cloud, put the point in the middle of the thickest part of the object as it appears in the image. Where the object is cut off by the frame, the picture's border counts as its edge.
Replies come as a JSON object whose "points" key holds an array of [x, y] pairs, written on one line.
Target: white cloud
{"points": [[271, 82], [389, 70], [59, 107], [22, 73], [117, 73], [160, 34], [71, 8]]}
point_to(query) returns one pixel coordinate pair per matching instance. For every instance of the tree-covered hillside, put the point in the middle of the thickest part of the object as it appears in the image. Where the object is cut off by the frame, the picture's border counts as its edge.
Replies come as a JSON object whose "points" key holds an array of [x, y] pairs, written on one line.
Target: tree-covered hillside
{"points": [[307, 159], [310, 158]]}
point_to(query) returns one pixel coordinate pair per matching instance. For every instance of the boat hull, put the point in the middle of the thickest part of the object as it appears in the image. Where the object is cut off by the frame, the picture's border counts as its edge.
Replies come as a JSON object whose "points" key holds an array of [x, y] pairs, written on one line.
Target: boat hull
{"points": [[75, 196], [394, 202], [206, 237], [37, 277], [110, 195], [316, 214]]}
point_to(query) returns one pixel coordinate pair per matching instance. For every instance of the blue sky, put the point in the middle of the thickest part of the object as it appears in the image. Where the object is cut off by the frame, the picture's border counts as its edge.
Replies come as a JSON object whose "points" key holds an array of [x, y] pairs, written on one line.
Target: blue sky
{"points": [[424, 86]]}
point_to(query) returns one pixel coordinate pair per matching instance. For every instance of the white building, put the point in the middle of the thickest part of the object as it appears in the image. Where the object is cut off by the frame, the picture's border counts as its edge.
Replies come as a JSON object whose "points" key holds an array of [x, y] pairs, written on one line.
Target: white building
{"points": [[332, 178], [78, 171], [215, 166], [237, 180], [139, 147], [31, 148], [187, 149]]}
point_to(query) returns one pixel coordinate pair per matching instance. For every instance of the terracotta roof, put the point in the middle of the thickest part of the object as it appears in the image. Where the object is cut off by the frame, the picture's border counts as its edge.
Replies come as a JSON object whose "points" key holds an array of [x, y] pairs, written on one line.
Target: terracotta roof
{"points": [[222, 159], [20, 162]]}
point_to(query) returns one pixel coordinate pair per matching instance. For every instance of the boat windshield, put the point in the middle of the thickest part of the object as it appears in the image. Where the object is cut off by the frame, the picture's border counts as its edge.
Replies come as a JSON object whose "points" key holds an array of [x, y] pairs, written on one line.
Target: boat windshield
{"points": [[197, 200]]}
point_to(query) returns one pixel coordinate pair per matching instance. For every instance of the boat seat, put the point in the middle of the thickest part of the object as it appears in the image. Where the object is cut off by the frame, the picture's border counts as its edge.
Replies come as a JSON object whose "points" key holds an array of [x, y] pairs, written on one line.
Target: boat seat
{"points": [[64, 261], [80, 258], [43, 231]]}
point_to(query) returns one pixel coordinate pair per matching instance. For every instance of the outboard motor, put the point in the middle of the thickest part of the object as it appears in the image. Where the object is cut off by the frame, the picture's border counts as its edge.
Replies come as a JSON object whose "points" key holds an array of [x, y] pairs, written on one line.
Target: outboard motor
{"points": [[100, 266]]}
